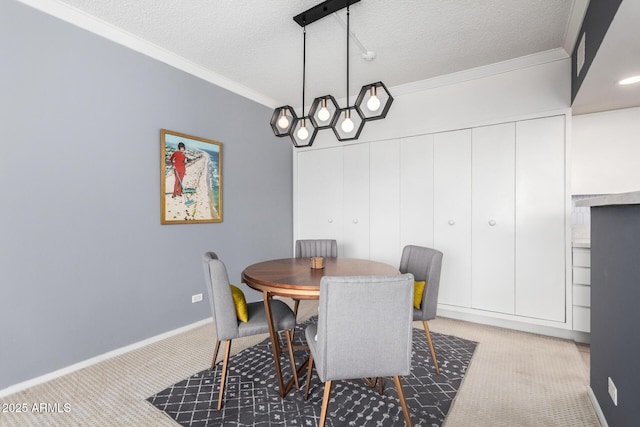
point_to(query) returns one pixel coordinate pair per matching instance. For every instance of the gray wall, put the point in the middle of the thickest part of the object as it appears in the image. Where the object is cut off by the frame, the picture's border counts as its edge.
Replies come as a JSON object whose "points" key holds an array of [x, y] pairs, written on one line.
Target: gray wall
{"points": [[85, 266], [615, 297]]}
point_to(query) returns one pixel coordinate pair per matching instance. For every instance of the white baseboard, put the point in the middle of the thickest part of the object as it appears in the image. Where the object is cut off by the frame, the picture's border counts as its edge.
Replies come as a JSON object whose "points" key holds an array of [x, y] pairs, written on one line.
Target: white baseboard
{"points": [[507, 322], [76, 366], [596, 407]]}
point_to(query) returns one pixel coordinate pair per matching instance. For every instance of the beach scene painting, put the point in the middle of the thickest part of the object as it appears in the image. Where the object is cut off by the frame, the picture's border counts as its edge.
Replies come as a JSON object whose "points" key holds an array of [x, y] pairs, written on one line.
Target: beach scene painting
{"points": [[191, 179]]}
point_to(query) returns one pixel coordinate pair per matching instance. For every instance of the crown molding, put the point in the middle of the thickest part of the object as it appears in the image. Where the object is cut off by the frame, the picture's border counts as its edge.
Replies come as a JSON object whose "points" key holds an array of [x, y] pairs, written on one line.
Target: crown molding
{"points": [[101, 28], [527, 61]]}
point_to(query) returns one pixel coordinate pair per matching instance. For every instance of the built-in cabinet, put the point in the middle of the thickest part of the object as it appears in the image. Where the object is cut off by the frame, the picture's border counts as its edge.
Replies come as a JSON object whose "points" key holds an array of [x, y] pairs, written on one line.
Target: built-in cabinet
{"points": [[452, 214], [493, 154], [581, 289], [416, 191], [491, 198], [541, 203], [333, 198], [384, 193]]}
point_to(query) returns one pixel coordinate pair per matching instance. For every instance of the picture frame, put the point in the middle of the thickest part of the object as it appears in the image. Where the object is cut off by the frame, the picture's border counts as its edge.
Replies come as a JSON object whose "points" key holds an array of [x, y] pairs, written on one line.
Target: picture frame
{"points": [[190, 179]]}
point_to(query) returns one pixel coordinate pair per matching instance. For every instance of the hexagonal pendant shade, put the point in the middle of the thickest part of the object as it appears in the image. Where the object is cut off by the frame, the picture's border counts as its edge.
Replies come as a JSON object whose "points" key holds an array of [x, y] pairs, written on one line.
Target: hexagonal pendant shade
{"points": [[374, 101], [323, 110], [282, 120], [303, 132], [347, 124]]}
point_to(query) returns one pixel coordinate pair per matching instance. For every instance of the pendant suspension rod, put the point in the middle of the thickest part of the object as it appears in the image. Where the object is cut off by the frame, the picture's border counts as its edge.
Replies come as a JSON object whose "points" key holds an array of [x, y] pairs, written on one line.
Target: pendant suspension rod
{"points": [[304, 63], [348, 56]]}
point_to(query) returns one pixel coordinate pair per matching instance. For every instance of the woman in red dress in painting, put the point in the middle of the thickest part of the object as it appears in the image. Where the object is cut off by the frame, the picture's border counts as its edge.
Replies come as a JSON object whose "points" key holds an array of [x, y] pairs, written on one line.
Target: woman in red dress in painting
{"points": [[178, 161]]}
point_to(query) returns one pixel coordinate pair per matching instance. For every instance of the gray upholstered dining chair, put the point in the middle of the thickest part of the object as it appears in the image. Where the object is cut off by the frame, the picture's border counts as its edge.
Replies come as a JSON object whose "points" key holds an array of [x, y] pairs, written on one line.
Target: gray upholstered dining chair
{"points": [[327, 248], [425, 264], [364, 330], [316, 247], [227, 325]]}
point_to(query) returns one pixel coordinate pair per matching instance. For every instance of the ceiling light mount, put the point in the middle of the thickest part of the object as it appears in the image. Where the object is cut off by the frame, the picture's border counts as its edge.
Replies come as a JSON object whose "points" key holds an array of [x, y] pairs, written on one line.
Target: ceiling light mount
{"points": [[321, 10]]}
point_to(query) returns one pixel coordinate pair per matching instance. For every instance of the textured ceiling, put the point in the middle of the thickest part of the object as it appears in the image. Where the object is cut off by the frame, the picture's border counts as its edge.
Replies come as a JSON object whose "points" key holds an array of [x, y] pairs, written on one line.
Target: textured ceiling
{"points": [[257, 44]]}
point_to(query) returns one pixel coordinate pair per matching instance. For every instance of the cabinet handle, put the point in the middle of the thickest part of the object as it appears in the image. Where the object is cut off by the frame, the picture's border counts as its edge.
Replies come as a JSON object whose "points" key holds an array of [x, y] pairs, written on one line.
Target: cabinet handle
{"points": [[355, 221], [492, 222], [330, 220], [451, 222]]}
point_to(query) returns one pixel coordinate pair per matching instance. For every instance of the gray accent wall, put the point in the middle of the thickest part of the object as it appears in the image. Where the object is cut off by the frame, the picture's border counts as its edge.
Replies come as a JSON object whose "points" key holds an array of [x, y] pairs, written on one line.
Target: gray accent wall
{"points": [[615, 313], [85, 265], [596, 22]]}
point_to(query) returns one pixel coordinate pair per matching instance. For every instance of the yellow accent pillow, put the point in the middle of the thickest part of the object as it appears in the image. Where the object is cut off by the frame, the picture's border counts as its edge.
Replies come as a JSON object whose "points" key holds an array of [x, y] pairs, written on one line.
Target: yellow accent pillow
{"points": [[418, 290], [241, 304]]}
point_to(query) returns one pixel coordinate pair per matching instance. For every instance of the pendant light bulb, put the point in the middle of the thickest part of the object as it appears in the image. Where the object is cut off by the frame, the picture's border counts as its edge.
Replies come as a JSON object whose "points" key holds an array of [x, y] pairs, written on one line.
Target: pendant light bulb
{"points": [[323, 113], [283, 121], [373, 104], [347, 125], [303, 133]]}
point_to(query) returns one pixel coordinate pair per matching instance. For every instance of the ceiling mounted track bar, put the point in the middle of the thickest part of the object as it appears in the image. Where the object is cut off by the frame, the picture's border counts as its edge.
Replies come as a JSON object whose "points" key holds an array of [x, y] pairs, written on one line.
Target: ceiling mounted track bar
{"points": [[325, 8]]}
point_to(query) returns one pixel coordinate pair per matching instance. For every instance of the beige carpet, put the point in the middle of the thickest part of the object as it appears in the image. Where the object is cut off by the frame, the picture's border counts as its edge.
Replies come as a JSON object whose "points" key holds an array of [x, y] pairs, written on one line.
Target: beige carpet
{"points": [[515, 379]]}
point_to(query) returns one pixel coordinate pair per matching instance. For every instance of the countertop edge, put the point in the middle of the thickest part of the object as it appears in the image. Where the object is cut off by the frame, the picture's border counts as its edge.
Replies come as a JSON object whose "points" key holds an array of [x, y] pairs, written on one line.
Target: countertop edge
{"points": [[581, 244], [631, 198]]}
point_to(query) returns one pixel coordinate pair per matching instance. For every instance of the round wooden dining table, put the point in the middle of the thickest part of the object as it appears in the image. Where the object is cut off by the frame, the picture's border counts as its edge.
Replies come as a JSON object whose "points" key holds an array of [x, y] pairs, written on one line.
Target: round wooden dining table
{"points": [[294, 278]]}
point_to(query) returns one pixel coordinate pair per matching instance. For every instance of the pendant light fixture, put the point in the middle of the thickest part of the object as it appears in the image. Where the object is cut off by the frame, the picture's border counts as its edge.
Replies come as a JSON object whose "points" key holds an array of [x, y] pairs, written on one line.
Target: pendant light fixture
{"points": [[282, 120], [372, 103], [348, 123], [323, 110], [303, 131]]}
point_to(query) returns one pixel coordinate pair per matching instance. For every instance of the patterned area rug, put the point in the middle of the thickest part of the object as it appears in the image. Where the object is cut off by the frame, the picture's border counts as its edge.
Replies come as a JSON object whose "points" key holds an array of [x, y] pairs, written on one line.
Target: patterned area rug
{"points": [[252, 399]]}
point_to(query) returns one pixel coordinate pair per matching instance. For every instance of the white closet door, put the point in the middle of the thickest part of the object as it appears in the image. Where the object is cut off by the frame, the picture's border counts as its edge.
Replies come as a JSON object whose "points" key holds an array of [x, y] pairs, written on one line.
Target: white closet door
{"points": [[540, 218], [355, 241], [416, 191], [493, 218], [452, 214], [319, 194], [385, 201]]}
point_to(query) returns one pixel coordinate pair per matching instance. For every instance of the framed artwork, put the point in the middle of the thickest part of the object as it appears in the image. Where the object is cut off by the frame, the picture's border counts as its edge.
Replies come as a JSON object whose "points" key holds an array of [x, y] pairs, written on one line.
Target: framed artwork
{"points": [[190, 179]]}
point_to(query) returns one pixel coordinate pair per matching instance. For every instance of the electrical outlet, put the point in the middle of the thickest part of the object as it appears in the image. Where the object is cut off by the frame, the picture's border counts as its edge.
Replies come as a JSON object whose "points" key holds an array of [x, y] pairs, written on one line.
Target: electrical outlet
{"points": [[613, 392], [196, 298]]}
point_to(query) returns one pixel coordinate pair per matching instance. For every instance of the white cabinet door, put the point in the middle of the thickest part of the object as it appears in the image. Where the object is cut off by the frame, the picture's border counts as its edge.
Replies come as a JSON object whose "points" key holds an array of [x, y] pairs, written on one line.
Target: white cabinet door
{"points": [[416, 191], [540, 218], [355, 241], [493, 218], [385, 201], [319, 194], [452, 214]]}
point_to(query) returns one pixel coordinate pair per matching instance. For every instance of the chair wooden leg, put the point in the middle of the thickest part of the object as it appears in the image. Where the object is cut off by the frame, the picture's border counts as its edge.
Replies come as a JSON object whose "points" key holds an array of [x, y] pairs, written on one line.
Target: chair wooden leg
{"points": [[325, 403], [296, 304], [306, 390], [433, 352], [223, 379], [275, 342], [380, 386], [215, 355], [293, 360], [403, 402]]}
